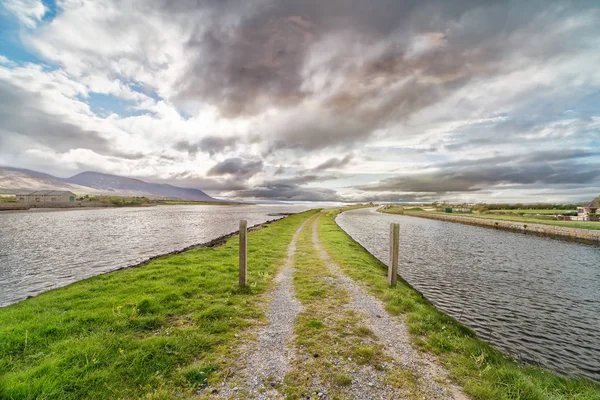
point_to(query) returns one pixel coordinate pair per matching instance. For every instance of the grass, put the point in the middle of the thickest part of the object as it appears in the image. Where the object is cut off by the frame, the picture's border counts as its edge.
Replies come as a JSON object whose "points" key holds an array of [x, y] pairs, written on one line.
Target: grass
{"points": [[485, 373], [153, 332], [526, 219], [119, 201], [534, 211], [8, 198], [199, 203], [128, 201], [543, 220]]}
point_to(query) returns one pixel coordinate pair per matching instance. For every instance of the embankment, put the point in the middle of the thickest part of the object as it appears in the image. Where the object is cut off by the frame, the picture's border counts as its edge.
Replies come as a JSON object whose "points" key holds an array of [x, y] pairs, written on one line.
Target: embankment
{"points": [[559, 232], [64, 206], [14, 206]]}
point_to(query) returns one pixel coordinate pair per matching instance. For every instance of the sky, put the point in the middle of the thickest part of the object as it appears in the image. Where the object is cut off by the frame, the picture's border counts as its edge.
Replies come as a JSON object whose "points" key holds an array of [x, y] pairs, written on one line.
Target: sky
{"points": [[338, 100]]}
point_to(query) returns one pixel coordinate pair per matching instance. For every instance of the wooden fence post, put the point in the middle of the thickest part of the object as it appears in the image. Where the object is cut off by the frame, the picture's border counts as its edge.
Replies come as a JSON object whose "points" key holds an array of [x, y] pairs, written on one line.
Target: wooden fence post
{"points": [[394, 250], [243, 252]]}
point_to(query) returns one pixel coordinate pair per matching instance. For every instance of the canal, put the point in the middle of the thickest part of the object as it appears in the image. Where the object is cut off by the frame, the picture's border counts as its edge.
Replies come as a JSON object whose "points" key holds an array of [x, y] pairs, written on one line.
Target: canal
{"points": [[535, 298]]}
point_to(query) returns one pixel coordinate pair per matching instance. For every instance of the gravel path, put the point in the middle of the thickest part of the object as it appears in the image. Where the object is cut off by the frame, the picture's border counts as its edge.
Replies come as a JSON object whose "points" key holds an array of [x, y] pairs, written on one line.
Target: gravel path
{"points": [[393, 336], [265, 366], [264, 362]]}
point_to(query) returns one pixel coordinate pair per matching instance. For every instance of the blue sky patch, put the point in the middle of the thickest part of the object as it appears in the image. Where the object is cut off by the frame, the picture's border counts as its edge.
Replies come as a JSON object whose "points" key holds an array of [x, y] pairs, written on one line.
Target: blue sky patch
{"points": [[105, 104]]}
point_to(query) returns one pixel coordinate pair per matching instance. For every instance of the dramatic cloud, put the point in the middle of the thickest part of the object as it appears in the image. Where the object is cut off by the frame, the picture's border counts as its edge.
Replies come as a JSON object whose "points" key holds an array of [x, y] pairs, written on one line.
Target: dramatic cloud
{"points": [[309, 100], [22, 114], [237, 167], [541, 168], [334, 163], [211, 145], [289, 192]]}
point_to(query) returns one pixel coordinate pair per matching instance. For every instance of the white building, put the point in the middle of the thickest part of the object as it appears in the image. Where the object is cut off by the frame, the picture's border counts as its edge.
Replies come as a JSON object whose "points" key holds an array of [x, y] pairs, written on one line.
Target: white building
{"points": [[583, 213]]}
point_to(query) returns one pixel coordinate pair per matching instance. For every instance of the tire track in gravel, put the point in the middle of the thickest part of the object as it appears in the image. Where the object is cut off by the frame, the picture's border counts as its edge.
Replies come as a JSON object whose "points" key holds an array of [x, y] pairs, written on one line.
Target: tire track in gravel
{"points": [[265, 365], [392, 333]]}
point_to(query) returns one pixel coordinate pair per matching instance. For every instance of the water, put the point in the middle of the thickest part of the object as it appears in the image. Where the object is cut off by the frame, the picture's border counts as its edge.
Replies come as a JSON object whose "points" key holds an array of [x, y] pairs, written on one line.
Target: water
{"points": [[42, 250], [535, 298]]}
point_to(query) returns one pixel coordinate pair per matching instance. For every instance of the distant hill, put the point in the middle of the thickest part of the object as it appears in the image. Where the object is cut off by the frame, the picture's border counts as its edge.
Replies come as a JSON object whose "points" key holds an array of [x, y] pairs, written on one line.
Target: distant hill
{"points": [[121, 184], [13, 180], [16, 180]]}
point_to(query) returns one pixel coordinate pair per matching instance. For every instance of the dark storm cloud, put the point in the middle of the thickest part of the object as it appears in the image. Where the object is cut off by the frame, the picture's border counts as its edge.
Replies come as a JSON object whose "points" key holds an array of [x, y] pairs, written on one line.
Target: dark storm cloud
{"points": [[427, 51], [393, 198], [542, 169], [210, 144], [259, 61], [286, 191], [235, 187], [303, 179], [214, 144], [533, 129], [291, 189], [238, 167], [21, 113], [524, 159], [334, 163], [190, 179]]}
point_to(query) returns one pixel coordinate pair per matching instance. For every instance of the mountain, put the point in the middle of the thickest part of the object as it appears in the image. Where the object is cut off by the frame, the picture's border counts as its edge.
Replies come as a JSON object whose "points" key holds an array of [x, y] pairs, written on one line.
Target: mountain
{"points": [[13, 180], [131, 186]]}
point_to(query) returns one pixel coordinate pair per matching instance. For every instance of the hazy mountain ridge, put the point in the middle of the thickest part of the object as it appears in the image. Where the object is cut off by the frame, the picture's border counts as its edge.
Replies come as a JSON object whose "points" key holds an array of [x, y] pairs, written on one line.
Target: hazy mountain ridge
{"points": [[16, 180], [13, 180]]}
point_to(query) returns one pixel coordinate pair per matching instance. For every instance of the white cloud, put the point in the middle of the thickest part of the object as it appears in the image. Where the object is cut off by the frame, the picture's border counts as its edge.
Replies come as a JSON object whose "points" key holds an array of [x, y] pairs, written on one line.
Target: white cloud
{"points": [[6, 61], [28, 12], [426, 43]]}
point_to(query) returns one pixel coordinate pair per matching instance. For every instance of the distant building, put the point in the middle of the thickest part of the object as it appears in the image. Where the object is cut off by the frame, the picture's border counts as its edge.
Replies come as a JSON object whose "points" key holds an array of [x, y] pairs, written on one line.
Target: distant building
{"points": [[47, 196], [583, 213]]}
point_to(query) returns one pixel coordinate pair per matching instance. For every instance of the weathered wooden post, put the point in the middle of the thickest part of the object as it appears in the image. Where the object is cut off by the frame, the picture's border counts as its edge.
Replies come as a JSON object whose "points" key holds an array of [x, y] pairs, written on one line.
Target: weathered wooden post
{"points": [[394, 250], [243, 252]]}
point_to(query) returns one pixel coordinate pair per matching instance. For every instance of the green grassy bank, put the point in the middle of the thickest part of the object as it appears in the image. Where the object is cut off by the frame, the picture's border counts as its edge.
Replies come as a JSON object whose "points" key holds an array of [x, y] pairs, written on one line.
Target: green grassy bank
{"points": [[484, 372], [153, 332], [199, 203], [527, 219]]}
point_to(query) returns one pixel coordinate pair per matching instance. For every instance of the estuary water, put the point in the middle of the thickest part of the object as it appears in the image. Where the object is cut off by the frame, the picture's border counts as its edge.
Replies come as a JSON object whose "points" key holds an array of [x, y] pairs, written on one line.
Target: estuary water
{"points": [[535, 298], [45, 249]]}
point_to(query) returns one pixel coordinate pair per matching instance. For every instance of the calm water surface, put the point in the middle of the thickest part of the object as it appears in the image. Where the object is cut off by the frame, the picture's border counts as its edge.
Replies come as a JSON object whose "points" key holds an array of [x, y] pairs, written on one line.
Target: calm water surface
{"points": [[535, 298], [43, 249]]}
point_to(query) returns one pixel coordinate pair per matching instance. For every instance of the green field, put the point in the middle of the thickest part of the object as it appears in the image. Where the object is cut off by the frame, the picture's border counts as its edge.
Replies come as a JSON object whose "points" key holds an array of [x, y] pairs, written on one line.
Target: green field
{"points": [[550, 212], [530, 220], [543, 220], [199, 203], [154, 332], [11, 198]]}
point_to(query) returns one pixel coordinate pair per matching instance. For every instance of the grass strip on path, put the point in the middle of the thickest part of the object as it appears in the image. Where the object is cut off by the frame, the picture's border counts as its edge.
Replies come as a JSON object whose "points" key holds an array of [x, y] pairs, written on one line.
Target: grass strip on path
{"points": [[483, 372], [154, 332]]}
